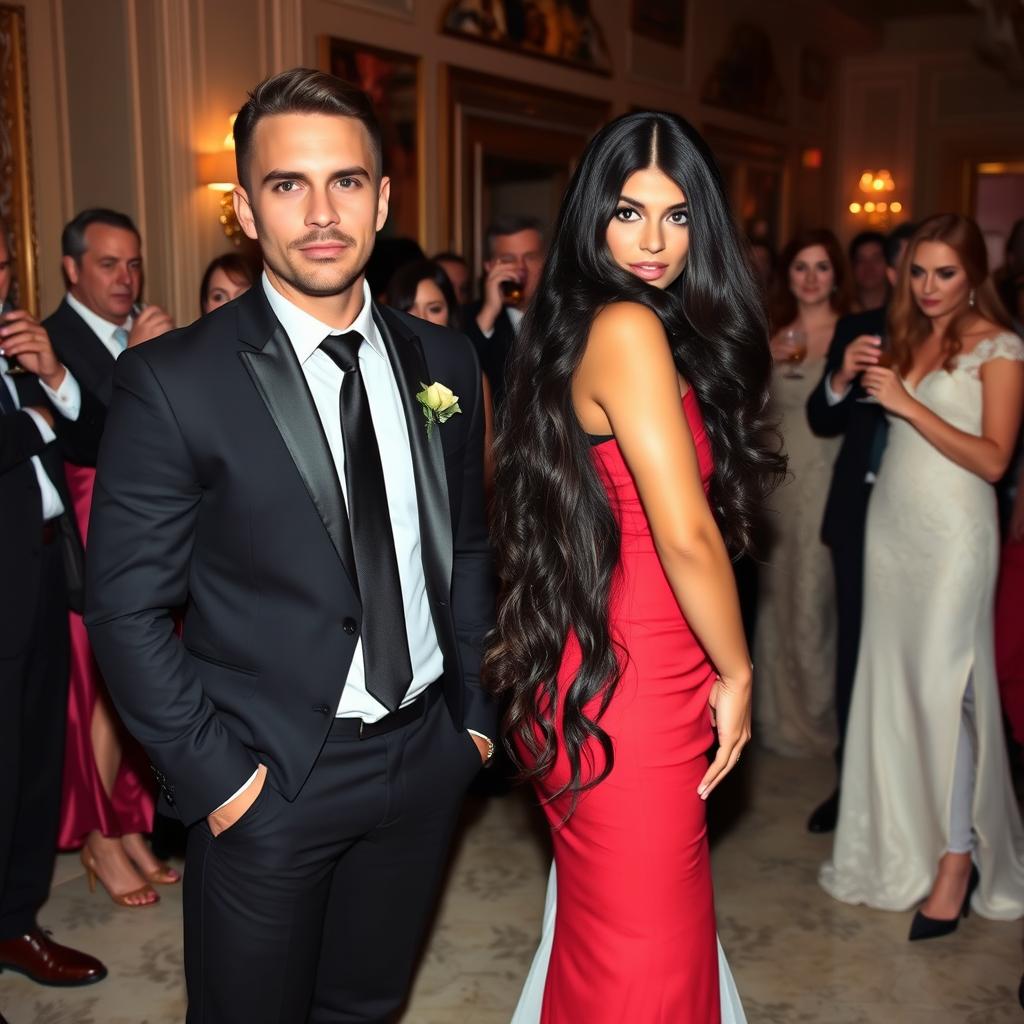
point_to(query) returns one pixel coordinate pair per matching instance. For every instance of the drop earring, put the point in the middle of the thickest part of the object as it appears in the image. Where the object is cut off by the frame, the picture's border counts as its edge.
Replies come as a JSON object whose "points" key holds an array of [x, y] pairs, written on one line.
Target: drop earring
{"points": [[970, 299]]}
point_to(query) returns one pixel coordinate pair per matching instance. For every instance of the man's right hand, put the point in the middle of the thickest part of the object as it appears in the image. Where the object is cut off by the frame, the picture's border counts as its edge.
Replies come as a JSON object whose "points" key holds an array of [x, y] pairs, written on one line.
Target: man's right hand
{"points": [[494, 300], [224, 817], [149, 324], [860, 354]]}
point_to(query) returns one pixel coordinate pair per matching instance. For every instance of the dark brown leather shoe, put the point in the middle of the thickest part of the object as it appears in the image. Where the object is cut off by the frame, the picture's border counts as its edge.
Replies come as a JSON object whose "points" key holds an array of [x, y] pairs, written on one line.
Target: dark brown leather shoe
{"points": [[46, 962]]}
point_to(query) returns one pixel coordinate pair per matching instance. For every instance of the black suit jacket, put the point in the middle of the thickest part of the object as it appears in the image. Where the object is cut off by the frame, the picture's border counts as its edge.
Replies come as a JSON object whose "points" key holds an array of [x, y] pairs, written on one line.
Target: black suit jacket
{"points": [[216, 490], [79, 349], [21, 508], [863, 426], [493, 352]]}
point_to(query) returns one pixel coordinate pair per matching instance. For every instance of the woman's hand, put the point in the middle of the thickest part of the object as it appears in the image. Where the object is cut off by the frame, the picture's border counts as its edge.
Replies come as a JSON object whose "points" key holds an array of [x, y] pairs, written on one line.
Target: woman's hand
{"points": [[886, 385], [729, 703], [782, 349]]}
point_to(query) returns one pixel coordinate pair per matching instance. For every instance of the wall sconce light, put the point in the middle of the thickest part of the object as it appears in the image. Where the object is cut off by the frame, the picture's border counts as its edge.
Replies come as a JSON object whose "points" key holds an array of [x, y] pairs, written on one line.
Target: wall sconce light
{"points": [[216, 171], [874, 185]]}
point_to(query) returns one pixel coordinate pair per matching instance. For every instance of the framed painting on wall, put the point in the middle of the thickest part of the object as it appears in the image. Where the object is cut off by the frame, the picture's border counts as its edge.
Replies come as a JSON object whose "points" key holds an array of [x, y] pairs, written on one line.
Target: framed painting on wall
{"points": [[745, 78], [391, 80], [814, 75], [660, 21], [15, 157], [562, 30]]}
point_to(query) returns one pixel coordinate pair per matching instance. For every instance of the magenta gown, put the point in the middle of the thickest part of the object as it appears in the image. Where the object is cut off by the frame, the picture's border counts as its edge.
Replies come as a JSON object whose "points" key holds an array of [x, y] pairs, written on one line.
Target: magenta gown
{"points": [[85, 806]]}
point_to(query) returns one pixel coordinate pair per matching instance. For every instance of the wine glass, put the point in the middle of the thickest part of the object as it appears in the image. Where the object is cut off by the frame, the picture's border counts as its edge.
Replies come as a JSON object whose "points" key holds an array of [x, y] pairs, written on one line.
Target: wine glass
{"points": [[14, 368], [885, 361], [796, 339]]}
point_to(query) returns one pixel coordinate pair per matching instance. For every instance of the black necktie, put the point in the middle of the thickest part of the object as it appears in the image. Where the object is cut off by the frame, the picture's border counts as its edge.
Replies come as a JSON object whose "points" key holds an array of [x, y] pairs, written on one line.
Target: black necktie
{"points": [[7, 405], [385, 641]]}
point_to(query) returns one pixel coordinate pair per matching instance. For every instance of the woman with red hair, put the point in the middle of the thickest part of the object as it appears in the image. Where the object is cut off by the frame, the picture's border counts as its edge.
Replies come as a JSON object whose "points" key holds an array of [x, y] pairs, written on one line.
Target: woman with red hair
{"points": [[794, 643], [927, 809]]}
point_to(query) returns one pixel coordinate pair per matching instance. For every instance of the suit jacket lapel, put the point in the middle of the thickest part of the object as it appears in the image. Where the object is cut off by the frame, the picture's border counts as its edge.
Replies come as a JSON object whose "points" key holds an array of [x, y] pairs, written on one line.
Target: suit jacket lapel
{"points": [[274, 368], [94, 357], [410, 368]]}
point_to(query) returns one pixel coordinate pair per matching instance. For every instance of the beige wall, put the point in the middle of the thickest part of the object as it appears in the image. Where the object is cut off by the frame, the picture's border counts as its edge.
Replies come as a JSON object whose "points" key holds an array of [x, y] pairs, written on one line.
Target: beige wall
{"points": [[927, 108], [125, 93]]}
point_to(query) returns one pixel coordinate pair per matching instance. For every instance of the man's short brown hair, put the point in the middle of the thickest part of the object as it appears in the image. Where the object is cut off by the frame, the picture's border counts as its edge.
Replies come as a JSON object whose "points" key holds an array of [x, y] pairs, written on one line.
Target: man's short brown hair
{"points": [[303, 91]]}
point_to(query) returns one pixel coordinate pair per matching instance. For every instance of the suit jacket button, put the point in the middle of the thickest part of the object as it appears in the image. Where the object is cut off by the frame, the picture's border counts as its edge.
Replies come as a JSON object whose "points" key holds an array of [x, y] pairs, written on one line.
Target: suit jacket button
{"points": [[349, 625], [169, 797]]}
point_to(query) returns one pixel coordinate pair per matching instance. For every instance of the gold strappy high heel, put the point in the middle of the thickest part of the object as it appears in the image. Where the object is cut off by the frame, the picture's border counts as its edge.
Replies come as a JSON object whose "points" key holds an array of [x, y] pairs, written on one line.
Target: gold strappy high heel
{"points": [[127, 899]]}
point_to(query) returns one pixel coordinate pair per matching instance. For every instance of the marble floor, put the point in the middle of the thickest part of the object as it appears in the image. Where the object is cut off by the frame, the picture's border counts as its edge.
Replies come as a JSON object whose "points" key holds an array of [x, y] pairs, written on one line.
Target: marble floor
{"points": [[798, 956]]}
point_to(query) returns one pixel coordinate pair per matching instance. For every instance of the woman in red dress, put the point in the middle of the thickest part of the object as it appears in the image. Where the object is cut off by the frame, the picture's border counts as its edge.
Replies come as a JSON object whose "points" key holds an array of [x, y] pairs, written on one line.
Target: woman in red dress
{"points": [[632, 452]]}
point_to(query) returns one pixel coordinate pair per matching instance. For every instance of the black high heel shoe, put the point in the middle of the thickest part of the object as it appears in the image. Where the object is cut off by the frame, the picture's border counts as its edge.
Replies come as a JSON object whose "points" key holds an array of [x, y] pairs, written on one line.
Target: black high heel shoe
{"points": [[924, 927]]}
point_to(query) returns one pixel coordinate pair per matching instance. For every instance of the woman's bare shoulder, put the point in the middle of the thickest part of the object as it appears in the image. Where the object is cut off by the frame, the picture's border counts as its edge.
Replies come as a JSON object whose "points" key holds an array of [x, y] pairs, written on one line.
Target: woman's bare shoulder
{"points": [[627, 331]]}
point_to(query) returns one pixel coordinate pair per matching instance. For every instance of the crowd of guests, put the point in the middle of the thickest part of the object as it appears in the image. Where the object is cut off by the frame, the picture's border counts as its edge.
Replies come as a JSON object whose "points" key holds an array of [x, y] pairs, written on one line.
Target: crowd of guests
{"points": [[898, 386], [900, 406]]}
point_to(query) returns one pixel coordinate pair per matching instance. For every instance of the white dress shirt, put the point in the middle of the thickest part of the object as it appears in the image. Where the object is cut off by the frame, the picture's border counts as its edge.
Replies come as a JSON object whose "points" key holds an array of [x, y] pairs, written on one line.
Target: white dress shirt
{"points": [[67, 400], [324, 378], [103, 329]]}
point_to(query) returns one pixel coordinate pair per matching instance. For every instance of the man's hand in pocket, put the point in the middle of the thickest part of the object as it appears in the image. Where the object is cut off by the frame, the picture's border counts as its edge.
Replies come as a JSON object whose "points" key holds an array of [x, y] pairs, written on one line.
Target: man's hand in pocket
{"points": [[224, 817]]}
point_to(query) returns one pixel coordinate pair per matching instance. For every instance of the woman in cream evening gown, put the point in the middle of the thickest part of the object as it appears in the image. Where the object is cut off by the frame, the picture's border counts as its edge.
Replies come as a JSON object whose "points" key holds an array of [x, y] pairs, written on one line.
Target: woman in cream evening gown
{"points": [[927, 810], [794, 643]]}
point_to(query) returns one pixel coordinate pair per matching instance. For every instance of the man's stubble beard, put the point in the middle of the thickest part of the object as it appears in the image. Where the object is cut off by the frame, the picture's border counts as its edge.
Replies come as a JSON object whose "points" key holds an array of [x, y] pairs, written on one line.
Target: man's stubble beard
{"points": [[309, 284]]}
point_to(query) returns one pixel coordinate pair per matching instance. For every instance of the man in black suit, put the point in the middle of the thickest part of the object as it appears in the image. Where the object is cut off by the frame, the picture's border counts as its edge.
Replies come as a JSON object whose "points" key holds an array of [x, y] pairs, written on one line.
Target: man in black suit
{"points": [[44, 418], [271, 469], [99, 317], [514, 248], [836, 406]]}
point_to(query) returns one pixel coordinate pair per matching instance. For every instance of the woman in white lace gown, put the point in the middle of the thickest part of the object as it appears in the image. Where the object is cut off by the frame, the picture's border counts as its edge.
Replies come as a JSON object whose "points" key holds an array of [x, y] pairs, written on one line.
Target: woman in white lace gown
{"points": [[927, 805], [794, 644]]}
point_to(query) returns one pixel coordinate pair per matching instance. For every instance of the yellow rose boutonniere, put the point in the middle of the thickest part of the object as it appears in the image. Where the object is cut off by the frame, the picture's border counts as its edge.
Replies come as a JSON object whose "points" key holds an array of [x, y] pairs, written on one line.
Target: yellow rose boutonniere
{"points": [[439, 404]]}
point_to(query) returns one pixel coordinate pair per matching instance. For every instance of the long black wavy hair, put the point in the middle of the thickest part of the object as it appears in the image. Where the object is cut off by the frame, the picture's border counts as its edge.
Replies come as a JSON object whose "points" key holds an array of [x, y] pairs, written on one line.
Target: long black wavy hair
{"points": [[556, 539]]}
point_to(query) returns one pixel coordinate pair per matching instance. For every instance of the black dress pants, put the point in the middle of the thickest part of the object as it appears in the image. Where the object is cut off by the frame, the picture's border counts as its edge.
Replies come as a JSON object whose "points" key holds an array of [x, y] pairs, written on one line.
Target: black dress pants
{"points": [[33, 717], [315, 909], [848, 567]]}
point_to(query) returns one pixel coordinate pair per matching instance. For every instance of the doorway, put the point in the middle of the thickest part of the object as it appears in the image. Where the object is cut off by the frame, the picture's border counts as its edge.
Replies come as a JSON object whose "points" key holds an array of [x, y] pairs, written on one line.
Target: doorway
{"points": [[513, 149]]}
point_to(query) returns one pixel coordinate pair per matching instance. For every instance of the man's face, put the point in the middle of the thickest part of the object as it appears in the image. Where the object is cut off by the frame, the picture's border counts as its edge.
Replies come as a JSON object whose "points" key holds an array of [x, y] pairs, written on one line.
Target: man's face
{"points": [[109, 277], [525, 252], [314, 201], [6, 263], [869, 267]]}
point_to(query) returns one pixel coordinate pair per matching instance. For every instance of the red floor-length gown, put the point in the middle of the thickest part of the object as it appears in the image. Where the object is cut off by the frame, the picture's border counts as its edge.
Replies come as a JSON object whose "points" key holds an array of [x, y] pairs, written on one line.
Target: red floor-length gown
{"points": [[85, 806], [635, 935]]}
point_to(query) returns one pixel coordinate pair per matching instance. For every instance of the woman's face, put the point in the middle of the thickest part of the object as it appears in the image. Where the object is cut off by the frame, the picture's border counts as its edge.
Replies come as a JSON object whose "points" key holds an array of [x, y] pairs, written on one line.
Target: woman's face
{"points": [[811, 276], [429, 304], [938, 280], [648, 234], [223, 289]]}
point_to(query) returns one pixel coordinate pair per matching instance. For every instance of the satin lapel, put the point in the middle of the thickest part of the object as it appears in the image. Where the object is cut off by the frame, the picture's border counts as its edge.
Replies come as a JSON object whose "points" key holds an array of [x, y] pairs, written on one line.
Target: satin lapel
{"points": [[275, 370], [410, 367]]}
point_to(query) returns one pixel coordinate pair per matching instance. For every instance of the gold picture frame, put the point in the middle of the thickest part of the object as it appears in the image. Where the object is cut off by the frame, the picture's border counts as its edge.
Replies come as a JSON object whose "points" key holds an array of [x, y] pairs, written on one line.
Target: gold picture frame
{"points": [[16, 200]]}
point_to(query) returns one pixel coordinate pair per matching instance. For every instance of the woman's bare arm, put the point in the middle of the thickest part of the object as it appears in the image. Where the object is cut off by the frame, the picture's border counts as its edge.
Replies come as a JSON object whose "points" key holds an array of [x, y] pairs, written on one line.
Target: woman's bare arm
{"points": [[628, 373]]}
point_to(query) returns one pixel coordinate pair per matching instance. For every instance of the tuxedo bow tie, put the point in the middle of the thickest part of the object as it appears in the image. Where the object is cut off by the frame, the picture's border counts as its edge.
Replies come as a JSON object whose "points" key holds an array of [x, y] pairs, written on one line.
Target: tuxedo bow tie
{"points": [[385, 639]]}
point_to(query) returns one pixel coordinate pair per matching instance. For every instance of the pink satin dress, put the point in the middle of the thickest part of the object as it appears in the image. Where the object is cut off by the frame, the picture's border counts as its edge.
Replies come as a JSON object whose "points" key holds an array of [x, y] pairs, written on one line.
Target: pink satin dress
{"points": [[85, 806]]}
